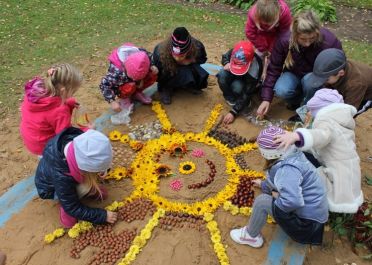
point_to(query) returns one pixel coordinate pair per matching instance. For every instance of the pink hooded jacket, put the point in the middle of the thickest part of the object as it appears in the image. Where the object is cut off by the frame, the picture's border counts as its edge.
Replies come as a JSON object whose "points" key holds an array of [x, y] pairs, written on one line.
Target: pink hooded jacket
{"points": [[264, 39], [43, 117]]}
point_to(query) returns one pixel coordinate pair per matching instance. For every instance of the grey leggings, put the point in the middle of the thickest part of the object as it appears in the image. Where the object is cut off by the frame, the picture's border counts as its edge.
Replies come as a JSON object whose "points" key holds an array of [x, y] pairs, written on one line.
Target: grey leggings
{"points": [[262, 206]]}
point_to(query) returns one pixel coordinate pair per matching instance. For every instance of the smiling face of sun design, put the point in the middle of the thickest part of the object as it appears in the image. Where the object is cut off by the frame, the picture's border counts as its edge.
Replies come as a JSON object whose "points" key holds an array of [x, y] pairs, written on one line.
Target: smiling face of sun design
{"points": [[146, 165]]}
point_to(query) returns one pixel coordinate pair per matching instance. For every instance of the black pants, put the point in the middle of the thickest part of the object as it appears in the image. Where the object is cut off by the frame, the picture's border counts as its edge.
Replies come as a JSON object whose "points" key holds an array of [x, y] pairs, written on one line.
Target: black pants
{"points": [[188, 76]]}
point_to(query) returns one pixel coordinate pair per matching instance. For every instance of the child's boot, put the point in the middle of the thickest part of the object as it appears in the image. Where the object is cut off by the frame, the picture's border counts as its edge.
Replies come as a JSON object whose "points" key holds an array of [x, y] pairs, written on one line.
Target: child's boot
{"points": [[241, 236], [141, 97], [66, 220]]}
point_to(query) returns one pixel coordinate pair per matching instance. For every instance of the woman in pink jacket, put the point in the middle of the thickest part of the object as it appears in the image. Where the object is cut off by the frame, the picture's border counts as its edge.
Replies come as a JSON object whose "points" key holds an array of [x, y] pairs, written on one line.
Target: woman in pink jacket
{"points": [[266, 20], [47, 106]]}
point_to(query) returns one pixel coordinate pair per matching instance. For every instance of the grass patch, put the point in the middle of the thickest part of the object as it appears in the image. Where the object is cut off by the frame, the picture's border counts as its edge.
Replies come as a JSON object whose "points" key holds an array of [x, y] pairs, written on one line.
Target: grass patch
{"points": [[32, 39], [358, 51], [355, 3], [78, 32]]}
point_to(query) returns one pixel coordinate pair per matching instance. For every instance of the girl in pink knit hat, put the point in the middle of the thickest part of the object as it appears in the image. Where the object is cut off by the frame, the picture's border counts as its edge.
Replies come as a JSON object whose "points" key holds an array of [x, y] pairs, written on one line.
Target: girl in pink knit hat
{"points": [[292, 193], [129, 73], [48, 105], [332, 141]]}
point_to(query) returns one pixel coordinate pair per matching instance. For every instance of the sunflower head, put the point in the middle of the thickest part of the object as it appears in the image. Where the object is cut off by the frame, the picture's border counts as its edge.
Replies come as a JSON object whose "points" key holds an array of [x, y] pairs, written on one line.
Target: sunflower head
{"points": [[163, 170], [178, 149], [187, 167], [115, 135]]}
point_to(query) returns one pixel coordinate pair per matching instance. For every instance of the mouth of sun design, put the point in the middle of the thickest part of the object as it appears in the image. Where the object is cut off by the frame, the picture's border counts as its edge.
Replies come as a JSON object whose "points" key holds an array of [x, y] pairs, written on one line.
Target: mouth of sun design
{"points": [[147, 169]]}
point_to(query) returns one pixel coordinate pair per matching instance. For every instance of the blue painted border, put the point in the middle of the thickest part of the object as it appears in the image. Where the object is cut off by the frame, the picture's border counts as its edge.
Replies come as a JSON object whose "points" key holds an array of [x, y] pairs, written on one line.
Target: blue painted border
{"points": [[16, 198], [282, 249]]}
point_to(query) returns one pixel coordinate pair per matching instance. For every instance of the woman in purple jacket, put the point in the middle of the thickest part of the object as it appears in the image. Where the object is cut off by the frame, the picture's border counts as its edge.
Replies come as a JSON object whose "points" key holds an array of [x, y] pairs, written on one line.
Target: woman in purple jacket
{"points": [[292, 58]]}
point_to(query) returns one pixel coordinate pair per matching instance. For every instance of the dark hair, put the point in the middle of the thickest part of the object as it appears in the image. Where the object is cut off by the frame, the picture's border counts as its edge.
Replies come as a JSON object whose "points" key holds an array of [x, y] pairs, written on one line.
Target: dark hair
{"points": [[166, 58]]}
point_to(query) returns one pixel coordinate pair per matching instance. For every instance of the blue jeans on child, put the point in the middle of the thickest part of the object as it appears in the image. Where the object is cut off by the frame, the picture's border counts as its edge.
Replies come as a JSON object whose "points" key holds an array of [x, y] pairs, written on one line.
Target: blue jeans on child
{"points": [[234, 87], [293, 89]]}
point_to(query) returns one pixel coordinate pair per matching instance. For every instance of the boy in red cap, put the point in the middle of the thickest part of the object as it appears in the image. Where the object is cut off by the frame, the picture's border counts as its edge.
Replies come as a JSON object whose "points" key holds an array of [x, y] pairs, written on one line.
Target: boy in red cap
{"points": [[130, 72], [238, 79]]}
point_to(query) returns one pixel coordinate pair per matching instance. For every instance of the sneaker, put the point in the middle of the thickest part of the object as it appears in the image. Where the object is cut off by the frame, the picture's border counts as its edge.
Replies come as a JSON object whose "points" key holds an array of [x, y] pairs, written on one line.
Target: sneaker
{"points": [[241, 236], [230, 103], [165, 98], [141, 97]]}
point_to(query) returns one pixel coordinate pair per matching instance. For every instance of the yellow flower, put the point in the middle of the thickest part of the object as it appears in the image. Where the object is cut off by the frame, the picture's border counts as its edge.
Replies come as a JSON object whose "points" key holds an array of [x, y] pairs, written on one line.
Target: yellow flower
{"points": [[187, 167], [119, 173], [212, 226], [115, 135], [227, 205], [245, 211], [146, 234], [216, 238], [135, 145], [208, 217], [218, 247], [73, 233], [49, 238], [59, 232], [134, 249], [124, 139], [140, 241], [234, 210]]}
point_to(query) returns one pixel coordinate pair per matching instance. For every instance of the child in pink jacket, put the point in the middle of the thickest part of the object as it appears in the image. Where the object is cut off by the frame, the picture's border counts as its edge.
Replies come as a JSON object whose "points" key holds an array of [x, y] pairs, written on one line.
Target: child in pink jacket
{"points": [[266, 20], [129, 73], [47, 106]]}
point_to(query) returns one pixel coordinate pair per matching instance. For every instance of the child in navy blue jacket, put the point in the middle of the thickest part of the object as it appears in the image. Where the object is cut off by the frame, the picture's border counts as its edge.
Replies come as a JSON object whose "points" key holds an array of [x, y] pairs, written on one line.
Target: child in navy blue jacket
{"points": [[292, 193], [71, 165]]}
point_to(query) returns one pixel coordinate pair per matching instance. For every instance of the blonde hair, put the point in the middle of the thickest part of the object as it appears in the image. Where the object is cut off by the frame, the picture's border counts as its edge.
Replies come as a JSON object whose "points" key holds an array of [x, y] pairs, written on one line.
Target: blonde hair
{"points": [[91, 181], [62, 80], [267, 11], [303, 23]]}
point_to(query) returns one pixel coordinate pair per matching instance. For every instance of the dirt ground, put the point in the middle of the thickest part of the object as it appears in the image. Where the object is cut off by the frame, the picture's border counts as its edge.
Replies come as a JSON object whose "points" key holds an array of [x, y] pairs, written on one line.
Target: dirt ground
{"points": [[22, 237]]}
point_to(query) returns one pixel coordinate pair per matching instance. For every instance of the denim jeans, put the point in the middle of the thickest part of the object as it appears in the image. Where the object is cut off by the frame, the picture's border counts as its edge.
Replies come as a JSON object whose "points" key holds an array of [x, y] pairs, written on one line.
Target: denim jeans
{"points": [[232, 86], [293, 89]]}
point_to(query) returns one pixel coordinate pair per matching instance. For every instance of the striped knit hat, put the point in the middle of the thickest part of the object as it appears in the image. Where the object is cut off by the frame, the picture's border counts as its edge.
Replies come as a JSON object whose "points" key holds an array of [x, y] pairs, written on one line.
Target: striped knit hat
{"points": [[181, 41], [266, 143]]}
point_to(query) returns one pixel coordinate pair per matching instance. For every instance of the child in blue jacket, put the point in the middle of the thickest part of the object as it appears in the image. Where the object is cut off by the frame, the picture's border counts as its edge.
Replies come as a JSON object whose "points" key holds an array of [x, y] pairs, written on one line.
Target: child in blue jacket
{"points": [[71, 165], [292, 193]]}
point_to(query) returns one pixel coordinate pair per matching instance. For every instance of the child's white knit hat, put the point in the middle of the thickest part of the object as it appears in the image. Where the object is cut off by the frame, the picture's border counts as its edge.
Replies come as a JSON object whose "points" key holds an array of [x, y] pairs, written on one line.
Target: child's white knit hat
{"points": [[93, 151]]}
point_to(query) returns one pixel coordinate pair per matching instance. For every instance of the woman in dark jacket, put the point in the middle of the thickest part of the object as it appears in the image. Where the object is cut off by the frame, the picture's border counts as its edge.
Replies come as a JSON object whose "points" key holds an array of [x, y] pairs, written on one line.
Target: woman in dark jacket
{"points": [[178, 59], [71, 164], [296, 52]]}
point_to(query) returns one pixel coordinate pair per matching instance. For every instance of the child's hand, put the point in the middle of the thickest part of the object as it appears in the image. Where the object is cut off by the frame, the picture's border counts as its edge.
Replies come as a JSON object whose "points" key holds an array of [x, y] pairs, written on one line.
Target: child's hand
{"points": [[263, 108], [287, 139], [226, 67], [275, 194], [112, 217], [257, 183], [115, 106], [229, 118], [154, 70]]}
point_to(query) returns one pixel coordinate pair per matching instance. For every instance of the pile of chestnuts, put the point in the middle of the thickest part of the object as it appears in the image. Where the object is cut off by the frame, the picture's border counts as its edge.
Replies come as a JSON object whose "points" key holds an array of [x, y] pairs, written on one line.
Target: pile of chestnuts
{"points": [[244, 195]]}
